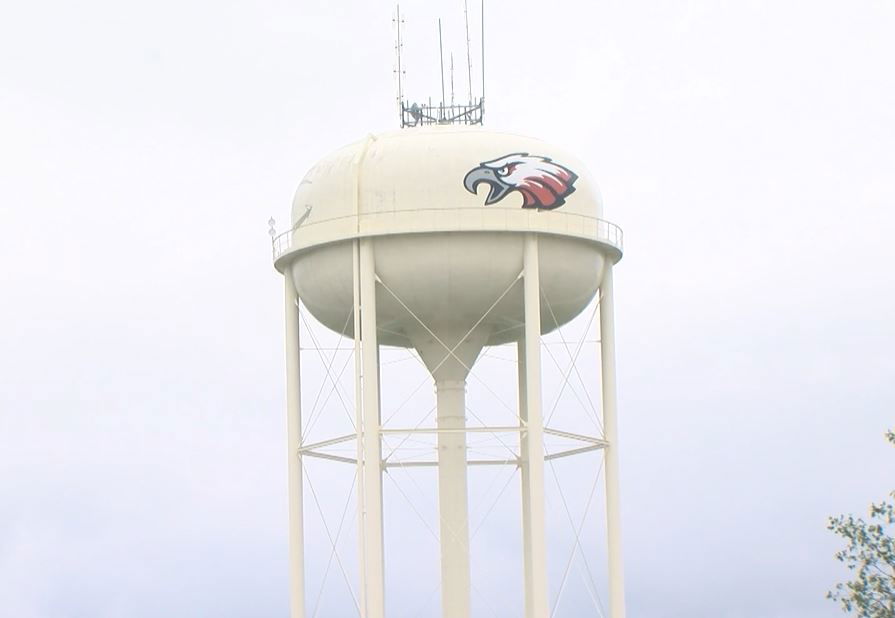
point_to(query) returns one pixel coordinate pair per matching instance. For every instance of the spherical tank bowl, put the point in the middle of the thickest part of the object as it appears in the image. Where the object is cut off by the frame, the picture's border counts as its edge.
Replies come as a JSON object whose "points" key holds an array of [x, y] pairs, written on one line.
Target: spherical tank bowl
{"points": [[448, 209]]}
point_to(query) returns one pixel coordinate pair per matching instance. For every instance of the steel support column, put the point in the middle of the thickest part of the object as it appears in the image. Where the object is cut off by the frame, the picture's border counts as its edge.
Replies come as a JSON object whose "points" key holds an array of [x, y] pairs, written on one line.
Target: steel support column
{"points": [[524, 478], [610, 452], [358, 423], [374, 565], [293, 438], [536, 591], [453, 507]]}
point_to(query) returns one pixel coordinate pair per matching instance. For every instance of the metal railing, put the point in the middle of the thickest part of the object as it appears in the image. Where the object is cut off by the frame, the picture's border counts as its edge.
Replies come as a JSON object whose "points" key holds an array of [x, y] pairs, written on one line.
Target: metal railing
{"points": [[281, 244], [606, 231], [418, 115]]}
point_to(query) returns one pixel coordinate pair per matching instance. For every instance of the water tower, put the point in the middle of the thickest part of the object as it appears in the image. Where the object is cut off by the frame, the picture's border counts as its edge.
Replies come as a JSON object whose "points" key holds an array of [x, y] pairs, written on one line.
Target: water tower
{"points": [[448, 239]]}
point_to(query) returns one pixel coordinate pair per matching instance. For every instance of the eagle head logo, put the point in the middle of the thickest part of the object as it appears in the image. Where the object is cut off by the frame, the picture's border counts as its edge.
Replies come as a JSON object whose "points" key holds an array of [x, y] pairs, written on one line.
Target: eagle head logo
{"points": [[542, 183]]}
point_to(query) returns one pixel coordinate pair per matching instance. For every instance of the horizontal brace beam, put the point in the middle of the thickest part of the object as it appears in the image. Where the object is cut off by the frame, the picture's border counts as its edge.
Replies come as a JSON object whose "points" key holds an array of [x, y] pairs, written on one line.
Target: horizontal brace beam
{"points": [[576, 436], [512, 429], [338, 458], [320, 349], [575, 451], [325, 443], [432, 464]]}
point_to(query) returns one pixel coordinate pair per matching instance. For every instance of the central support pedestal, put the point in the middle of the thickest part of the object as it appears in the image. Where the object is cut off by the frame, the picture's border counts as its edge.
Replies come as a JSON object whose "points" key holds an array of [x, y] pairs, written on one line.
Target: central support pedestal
{"points": [[448, 356], [453, 497]]}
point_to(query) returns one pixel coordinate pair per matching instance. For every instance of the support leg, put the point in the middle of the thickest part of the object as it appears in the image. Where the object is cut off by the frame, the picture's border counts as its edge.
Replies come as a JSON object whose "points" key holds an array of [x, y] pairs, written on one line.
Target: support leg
{"points": [[610, 431], [536, 600], [359, 423], [374, 567], [293, 433], [525, 480]]}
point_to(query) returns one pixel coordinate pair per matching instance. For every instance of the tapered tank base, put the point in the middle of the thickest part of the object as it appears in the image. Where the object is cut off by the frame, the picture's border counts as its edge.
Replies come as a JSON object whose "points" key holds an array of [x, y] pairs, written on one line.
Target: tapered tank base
{"points": [[448, 355]]}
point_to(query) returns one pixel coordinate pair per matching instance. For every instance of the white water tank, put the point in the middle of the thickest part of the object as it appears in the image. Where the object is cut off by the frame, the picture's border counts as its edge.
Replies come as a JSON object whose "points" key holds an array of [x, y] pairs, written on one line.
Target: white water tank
{"points": [[446, 252]]}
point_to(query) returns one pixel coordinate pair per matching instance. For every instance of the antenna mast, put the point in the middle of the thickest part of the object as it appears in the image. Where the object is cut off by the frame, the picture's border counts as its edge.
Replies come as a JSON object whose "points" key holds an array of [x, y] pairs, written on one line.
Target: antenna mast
{"points": [[441, 63], [415, 114], [468, 53], [398, 47], [452, 79], [483, 50]]}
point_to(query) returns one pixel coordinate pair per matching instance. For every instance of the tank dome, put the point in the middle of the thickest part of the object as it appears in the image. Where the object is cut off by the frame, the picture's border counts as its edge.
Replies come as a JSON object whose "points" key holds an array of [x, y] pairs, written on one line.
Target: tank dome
{"points": [[423, 169], [449, 207]]}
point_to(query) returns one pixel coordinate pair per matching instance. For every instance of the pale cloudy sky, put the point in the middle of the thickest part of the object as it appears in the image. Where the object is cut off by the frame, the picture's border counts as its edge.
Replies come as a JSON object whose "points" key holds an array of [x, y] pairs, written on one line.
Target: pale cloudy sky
{"points": [[746, 148]]}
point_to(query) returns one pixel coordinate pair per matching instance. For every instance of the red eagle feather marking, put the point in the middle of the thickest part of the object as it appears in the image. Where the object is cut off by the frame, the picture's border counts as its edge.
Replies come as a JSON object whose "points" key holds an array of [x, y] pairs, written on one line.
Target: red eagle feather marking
{"points": [[542, 183]]}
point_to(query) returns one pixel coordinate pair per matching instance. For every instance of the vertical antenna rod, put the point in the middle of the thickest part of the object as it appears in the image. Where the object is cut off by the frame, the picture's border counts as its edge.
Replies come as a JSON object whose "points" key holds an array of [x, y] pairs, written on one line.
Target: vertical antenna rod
{"points": [[441, 62], [468, 53], [398, 48], [483, 50], [452, 78]]}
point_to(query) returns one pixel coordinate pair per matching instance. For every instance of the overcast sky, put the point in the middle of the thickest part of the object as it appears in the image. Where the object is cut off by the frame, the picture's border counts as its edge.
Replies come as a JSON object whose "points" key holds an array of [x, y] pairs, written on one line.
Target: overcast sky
{"points": [[746, 148]]}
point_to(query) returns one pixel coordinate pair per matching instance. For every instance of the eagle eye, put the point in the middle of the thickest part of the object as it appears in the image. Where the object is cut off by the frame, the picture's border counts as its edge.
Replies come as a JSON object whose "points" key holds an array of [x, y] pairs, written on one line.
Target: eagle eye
{"points": [[506, 169]]}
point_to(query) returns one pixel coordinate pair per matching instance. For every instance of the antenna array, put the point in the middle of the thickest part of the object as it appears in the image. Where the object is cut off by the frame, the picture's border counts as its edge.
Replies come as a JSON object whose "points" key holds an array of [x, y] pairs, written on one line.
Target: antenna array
{"points": [[415, 114]]}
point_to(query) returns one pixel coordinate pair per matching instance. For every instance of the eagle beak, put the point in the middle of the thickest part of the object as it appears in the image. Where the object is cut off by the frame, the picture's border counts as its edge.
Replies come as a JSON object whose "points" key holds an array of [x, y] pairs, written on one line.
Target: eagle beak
{"points": [[498, 188]]}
